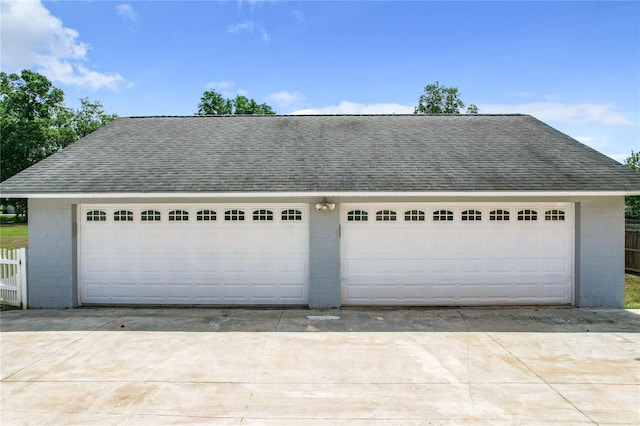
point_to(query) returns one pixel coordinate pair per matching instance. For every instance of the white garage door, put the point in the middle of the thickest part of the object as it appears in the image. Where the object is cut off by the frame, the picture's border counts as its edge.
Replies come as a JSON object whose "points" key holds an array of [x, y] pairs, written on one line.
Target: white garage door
{"points": [[188, 254], [439, 254]]}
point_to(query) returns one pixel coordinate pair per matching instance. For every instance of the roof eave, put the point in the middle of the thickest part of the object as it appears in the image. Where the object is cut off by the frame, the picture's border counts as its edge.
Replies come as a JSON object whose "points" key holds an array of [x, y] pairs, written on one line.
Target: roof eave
{"points": [[394, 194]]}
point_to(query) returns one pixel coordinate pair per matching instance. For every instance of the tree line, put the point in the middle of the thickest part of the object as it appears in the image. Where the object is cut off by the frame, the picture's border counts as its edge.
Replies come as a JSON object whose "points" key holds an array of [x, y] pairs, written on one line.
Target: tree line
{"points": [[436, 99], [35, 123]]}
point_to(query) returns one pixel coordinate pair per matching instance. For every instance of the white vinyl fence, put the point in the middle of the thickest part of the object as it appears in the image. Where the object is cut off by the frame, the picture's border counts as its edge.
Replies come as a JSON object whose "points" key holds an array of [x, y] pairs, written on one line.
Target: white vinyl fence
{"points": [[13, 277]]}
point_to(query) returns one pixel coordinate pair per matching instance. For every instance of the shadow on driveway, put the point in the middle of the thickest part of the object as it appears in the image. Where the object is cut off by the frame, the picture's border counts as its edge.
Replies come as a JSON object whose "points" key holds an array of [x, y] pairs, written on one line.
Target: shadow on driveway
{"points": [[490, 319]]}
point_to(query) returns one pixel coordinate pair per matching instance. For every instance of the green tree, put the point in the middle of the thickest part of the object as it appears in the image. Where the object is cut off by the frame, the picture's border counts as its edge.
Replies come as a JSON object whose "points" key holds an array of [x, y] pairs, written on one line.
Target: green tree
{"points": [[244, 105], [437, 99], [35, 123], [633, 203], [213, 103], [90, 117]]}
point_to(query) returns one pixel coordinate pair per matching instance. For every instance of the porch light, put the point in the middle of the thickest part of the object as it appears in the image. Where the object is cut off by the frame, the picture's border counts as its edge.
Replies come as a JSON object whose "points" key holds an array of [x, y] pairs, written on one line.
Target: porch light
{"points": [[325, 205]]}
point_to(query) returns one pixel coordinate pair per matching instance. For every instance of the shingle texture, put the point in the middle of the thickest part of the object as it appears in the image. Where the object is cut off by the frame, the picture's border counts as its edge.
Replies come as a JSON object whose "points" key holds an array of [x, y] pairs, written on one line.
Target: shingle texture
{"points": [[324, 153]]}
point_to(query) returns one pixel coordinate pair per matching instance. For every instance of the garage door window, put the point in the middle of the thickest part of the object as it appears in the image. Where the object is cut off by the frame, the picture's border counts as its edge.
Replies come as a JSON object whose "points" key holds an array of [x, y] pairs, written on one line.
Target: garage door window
{"points": [[234, 215], [96, 216], [357, 216], [414, 216], [150, 216], [471, 215], [499, 215], [291, 215], [554, 215], [205, 215], [527, 215], [178, 216], [123, 216], [442, 216], [263, 215], [385, 216]]}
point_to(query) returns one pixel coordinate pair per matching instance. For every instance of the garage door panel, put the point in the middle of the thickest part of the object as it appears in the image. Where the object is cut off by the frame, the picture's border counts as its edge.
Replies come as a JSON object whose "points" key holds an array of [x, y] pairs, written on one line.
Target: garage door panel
{"points": [[527, 291], [559, 265], [499, 238], [450, 262], [178, 291], [97, 265], [193, 261], [443, 265], [473, 291], [98, 289], [527, 265], [554, 290], [498, 265], [471, 265], [123, 291], [552, 240], [291, 269]]}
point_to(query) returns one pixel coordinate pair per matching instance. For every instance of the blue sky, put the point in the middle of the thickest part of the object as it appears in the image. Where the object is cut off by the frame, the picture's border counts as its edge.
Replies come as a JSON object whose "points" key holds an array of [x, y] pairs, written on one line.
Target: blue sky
{"points": [[574, 65]]}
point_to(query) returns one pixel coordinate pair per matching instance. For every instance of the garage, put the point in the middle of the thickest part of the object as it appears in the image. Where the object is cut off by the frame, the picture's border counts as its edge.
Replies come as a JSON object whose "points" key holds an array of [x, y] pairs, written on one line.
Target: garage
{"points": [[193, 254], [325, 211], [457, 253]]}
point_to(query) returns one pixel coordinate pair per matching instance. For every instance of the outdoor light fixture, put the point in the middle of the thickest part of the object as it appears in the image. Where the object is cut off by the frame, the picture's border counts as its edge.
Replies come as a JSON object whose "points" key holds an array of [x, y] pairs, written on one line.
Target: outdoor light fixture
{"points": [[325, 205]]}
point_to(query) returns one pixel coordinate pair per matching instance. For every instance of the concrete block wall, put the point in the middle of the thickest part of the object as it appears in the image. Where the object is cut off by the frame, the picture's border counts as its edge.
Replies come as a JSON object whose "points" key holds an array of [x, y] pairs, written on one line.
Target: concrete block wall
{"points": [[599, 274], [600, 253], [324, 258], [50, 257]]}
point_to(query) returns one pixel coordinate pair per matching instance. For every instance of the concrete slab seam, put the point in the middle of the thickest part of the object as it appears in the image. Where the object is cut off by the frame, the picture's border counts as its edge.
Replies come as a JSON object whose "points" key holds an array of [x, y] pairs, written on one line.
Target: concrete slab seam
{"points": [[473, 405], [260, 369], [7, 379], [542, 379], [277, 327]]}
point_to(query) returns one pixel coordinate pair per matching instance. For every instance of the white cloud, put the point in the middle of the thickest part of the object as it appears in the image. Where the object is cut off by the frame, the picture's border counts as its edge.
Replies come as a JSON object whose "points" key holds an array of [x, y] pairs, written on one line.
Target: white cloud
{"points": [[600, 143], [221, 85], [248, 27], [127, 11], [241, 27], [284, 99], [346, 107], [299, 15], [242, 2], [619, 157], [76, 74], [585, 139], [226, 88], [562, 112], [33, 38]]}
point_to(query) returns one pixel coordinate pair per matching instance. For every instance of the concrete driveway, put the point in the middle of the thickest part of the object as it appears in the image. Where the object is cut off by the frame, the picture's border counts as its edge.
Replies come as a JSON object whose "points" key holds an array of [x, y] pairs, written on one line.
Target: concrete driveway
{"points": [[144, 366]]}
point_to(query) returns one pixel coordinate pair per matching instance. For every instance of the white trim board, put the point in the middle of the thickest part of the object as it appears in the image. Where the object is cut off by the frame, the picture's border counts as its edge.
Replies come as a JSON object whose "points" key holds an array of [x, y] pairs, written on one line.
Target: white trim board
{"points": [[328, 194]]}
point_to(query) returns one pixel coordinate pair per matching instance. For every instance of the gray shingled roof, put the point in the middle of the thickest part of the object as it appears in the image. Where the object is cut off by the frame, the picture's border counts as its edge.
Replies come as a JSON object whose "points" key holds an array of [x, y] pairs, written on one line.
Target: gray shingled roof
{"points": [[324, 153]]}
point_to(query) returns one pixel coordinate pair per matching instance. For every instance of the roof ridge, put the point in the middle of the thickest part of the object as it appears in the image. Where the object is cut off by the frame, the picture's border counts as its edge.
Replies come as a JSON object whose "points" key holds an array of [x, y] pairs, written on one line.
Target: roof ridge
{"points": [[328, 115]]}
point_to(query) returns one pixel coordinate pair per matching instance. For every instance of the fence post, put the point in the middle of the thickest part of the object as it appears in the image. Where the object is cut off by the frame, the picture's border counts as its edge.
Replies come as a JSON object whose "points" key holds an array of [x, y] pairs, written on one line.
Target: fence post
{"points": [[22, 256]]}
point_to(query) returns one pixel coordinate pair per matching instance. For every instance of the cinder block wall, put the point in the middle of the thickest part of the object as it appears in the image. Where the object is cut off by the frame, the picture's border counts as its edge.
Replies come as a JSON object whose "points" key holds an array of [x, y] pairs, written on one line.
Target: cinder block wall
{"points": [[50, 257], [600, 253], [324, 258]]}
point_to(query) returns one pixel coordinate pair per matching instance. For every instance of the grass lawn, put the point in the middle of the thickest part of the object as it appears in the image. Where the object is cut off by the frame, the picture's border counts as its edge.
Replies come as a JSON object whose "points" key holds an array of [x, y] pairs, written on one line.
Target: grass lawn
{"points": [[632, 291], [13, 236]]}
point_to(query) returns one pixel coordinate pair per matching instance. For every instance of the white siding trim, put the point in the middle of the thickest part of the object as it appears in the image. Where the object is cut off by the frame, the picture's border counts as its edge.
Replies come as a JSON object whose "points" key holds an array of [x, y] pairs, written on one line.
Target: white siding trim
{"points": [[126, 195]]}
